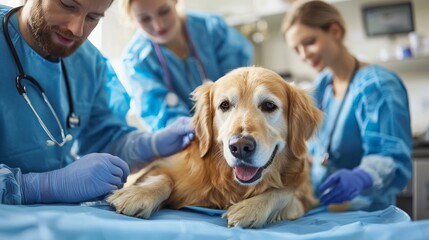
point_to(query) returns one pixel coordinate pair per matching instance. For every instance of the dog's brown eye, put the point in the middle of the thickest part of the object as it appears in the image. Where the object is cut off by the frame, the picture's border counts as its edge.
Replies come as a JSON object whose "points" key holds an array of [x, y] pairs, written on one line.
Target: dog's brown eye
{"points": [[225, 106], [268, 106]]}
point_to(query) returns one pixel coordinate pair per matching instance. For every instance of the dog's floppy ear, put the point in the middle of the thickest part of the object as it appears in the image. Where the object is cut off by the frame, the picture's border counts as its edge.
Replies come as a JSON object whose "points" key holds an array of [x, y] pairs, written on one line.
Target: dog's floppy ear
{"points": [[303, 119], [203, 117]]}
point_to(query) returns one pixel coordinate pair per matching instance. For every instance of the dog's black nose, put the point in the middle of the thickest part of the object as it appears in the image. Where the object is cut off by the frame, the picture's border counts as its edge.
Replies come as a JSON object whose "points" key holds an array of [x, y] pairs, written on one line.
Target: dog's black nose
{"points": [[242, 146]]}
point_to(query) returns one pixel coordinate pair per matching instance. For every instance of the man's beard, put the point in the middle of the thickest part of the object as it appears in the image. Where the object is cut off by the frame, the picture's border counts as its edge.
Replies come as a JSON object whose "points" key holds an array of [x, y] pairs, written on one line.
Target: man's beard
{"points": [[42, 33]]}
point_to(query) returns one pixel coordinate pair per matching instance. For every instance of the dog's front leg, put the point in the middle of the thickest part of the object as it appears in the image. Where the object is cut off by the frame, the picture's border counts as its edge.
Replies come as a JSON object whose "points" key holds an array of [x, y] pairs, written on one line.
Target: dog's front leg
{"points": [[143, 198], [272, 206]]}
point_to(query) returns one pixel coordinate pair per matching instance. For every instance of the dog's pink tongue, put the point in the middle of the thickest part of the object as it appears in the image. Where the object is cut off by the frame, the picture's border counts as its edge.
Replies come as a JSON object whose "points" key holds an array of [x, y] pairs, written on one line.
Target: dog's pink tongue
{"points": [[245, 173]]}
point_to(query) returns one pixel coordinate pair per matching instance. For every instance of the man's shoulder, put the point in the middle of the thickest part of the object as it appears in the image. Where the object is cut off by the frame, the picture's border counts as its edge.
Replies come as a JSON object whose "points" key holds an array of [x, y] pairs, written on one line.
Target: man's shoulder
{"points": [[86, 51], [4, 9]]}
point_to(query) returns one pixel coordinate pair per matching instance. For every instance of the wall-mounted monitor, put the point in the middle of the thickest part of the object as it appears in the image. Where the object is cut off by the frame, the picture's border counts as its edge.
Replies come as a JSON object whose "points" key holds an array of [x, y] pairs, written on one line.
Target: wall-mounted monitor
{"points": [[388, 19]]}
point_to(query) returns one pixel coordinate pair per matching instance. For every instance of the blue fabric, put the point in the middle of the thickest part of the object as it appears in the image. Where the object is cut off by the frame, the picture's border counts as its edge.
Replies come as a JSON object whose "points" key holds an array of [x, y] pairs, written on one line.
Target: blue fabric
{"points": [[99, 100], [373, 133], [220, 48], [83, 222], [10, 185]]}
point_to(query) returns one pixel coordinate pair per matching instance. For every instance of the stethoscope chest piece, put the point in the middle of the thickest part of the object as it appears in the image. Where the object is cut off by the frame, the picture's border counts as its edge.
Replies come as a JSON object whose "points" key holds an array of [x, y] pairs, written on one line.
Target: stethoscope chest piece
{"points": [[171, 99]]}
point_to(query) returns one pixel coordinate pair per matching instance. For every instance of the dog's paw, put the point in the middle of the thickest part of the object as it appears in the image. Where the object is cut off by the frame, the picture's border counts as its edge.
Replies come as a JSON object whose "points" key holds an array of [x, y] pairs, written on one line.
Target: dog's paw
{"points": [[134, 201], [246, 215]]}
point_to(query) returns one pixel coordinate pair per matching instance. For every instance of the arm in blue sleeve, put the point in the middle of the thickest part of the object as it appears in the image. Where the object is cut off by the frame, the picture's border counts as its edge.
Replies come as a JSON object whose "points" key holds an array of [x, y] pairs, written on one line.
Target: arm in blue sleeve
{"points": [[134, 148], [233, 49], [138, 148], [107, 122], [149, 93], [118, 98], [385, 124], [10, 185]]}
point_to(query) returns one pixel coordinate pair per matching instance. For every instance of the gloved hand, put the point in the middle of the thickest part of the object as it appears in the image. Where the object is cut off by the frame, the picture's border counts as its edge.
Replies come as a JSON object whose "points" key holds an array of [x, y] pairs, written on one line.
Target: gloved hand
{"points": [[344, 185], [173, 138], [91, 176]]}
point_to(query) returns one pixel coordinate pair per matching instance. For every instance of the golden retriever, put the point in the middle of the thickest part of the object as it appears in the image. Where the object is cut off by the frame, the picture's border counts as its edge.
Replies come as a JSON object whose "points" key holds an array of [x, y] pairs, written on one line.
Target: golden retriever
{"points": [[248, 156]]}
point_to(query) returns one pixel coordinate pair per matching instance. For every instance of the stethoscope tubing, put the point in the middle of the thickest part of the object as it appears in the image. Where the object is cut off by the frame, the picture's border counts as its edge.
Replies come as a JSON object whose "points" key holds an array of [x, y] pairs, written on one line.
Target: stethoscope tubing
{"points": [[72, 119], [194, 53]]}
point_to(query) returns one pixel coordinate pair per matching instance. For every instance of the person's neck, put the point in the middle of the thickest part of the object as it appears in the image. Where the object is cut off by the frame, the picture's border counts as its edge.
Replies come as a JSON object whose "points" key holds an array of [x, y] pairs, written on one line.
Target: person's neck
{"points": [[179, 45], [344, 68], [23, 15]]}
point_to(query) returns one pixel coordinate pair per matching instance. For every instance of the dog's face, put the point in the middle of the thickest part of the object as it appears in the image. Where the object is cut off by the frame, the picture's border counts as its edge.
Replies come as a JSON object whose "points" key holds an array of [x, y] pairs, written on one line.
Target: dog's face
{"points": [[255, 117], [250, 123]]}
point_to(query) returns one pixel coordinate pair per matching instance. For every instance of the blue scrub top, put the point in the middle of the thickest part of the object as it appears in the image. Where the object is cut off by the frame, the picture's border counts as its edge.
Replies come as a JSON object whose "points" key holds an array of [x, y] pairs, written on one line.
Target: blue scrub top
{"points": [[99, 100], [373, 133], [220, 48]]}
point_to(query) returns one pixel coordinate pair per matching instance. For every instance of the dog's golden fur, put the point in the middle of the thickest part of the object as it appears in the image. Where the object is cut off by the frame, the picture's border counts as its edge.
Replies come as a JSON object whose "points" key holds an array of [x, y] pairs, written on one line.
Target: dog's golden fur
{"points": [[266, 183]]}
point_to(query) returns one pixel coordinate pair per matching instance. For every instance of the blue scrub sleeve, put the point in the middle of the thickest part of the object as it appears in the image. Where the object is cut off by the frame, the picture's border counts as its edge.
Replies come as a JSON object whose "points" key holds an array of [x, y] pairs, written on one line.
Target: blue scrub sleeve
{"points": [[119, 99], [151, 92], [106, 123], [385, 127], [10, 185], [232, 48], [135, 148]]}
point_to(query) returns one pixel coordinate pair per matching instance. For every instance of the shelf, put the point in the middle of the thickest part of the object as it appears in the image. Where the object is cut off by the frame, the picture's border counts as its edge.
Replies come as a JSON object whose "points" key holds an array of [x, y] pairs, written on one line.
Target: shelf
{"points": [[415, 64], [253, 11], [253, 16]]}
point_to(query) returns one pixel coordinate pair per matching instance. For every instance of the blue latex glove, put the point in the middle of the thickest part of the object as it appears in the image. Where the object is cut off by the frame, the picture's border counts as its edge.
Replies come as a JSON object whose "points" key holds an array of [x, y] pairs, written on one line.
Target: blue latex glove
{"points": [[344, 185], [91, 176], [173, 138]]}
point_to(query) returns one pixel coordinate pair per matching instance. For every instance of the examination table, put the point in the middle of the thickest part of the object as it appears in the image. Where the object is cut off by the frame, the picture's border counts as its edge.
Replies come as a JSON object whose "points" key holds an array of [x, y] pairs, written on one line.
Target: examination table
{"points": [[96, 220]]}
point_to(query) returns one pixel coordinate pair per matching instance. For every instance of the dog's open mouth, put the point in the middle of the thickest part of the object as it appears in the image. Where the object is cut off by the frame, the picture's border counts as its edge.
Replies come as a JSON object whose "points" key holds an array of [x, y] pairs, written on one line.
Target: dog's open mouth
{"points": [[248, 174]]}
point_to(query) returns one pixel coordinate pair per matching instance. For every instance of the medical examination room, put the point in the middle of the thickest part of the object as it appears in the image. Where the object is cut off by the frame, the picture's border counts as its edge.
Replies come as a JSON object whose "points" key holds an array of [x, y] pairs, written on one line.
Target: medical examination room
{"points": [[214, 119]]}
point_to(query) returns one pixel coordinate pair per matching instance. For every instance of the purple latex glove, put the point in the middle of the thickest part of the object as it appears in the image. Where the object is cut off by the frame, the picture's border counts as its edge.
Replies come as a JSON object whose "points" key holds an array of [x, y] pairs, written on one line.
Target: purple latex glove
{"points": [[174, 137], [344, 185], [91, 176]]}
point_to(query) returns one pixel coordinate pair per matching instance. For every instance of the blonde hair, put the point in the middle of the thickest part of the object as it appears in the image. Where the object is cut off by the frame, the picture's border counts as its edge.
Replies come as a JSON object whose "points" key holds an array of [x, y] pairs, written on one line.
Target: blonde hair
{"points": [[125, 9], [316, 14]]}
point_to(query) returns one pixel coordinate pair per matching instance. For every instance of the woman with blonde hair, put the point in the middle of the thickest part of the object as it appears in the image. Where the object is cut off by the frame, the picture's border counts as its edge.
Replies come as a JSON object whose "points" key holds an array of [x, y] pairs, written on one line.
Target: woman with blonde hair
{"points": [[172, 53], [362, 151]]}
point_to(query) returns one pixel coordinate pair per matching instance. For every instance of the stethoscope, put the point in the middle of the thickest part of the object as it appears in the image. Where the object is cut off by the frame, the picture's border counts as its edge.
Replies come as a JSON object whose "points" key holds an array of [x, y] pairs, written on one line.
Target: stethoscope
{"points": [[171, 98], [325, 157], [72, 119]]}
